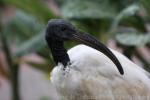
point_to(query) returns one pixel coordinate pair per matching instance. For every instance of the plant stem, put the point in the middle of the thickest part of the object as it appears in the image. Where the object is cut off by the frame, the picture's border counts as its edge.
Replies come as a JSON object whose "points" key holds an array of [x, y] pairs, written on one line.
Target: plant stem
{"points": [[146, 64], [15, 82], [12, 66], [129, 51]]}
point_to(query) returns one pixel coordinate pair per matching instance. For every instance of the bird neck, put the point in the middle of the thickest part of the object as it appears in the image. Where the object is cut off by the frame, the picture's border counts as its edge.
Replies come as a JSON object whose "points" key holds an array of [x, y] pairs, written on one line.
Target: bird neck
{"points": [[59, 53]]}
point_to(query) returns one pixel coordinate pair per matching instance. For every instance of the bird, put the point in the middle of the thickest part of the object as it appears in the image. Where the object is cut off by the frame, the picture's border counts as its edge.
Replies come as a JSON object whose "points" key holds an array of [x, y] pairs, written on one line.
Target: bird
{"points": [[91, 70]]}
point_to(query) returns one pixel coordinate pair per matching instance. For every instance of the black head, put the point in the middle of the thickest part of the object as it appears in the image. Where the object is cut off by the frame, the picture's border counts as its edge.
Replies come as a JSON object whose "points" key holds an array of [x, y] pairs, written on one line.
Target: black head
{"points": [[59, 30]]}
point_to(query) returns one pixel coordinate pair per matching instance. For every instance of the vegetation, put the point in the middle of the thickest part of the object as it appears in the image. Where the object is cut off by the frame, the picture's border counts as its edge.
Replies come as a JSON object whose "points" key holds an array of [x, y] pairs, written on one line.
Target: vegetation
{"points": [[123, 21]]}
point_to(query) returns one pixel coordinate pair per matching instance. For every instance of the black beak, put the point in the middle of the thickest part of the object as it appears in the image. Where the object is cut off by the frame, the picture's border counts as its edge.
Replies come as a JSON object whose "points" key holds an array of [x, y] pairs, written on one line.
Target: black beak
{"points": [[94, 43]]}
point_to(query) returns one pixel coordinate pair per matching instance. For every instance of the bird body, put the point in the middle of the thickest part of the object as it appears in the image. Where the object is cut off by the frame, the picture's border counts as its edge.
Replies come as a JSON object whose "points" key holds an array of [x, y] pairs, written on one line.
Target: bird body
{"points": [[92, 71], [93, 76]]}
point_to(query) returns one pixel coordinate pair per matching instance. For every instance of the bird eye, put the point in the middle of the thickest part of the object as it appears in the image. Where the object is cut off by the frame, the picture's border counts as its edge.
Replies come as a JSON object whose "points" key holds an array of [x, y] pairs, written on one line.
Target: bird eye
{"points": [[63, 29]]}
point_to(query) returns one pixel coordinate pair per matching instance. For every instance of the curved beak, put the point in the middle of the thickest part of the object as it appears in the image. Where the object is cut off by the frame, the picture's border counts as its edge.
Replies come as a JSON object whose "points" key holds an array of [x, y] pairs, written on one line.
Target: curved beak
{"points": [[91, 41]]}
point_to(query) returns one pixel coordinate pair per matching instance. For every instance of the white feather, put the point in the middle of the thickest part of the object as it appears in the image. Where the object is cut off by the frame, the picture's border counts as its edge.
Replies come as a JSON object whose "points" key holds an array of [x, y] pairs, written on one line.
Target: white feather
{"points": [[93, 76]]}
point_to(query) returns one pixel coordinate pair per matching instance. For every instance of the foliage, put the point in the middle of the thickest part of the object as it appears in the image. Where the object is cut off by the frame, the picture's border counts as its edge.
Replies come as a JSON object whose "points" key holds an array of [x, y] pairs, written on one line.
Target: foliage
{"points": [[139, 39], [88, 9], [35, 7], [105, 19], [21, 27], [102, 18], [28, 34], [146, 3], [92, 8], [125, 13]]}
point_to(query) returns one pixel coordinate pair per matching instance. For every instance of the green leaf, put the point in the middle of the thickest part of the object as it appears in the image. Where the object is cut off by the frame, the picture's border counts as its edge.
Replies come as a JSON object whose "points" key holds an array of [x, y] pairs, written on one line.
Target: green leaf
{"points": [[31, 45], [44, 52], [45, 67], [21, 27], [132, 39], [146, 4], [35, 7], [125, 13], [89, 9]]}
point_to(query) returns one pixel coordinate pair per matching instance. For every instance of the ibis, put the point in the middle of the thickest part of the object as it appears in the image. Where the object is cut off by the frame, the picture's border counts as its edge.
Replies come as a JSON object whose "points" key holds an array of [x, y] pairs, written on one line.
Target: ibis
{"points": [[90, 70]]}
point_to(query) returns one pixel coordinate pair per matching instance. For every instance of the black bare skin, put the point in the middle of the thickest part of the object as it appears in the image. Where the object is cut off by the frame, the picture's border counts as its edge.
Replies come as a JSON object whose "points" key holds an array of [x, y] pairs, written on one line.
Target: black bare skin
{"points": [[58, 31]]}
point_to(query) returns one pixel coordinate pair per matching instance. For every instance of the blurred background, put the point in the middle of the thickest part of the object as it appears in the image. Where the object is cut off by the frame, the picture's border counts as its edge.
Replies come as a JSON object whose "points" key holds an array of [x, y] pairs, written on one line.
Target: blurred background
{"points": [[25, 60]]}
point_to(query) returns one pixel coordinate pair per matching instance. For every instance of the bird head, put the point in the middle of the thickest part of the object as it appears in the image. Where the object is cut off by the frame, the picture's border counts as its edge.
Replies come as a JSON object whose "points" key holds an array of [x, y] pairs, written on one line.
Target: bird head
{"points": [[62, 30]]}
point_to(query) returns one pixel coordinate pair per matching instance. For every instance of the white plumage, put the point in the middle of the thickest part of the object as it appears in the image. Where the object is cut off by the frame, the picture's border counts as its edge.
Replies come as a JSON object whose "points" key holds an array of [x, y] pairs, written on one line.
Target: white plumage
{"points": [[93, 76]]}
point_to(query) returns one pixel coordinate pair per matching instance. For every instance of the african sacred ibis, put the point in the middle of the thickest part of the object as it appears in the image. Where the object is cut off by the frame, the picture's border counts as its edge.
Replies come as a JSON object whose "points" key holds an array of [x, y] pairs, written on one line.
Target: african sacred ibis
{"points": [[85, 73]]}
